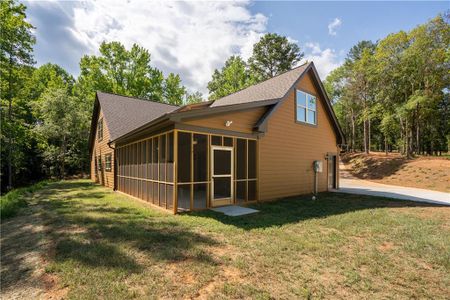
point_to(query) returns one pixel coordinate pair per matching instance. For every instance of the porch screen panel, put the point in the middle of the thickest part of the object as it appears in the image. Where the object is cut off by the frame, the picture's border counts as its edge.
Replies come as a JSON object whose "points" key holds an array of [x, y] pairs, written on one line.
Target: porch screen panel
{"points": [[155, 193], [170, 157], [169, 196], [241, 159], [246, 175], [200, 196], [251, 159], [144, 190], [251, 194], [200, 157], [128, 153], [216, 140], [138, 160], [162, 195], [144, 159], [162, 158], [241, 187], [155, 158], [184, 157], [227, 141], [184, 197]]}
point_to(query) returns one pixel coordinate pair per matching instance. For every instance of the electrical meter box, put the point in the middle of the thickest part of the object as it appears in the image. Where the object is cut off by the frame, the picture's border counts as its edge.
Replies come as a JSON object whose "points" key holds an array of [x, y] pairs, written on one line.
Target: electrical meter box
{"points": [[318, 166]]}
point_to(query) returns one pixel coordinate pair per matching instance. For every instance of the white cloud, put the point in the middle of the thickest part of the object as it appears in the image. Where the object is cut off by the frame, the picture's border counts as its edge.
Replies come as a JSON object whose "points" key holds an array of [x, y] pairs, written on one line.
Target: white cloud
{"points": [[189, 38], [325, 60], [333, 26]]}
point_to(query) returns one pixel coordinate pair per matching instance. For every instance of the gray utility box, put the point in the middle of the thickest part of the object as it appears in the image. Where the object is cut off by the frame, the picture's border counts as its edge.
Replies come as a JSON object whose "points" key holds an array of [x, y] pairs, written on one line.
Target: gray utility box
{"points": [[318, 166]]}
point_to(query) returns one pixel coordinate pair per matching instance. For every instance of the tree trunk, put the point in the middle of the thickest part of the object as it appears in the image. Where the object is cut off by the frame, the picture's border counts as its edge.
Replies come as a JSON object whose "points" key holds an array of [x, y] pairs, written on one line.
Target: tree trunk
{"points": [[9, 187], [353, 131], [408, 139], [417, 133], [368, 135], [386, 145]]}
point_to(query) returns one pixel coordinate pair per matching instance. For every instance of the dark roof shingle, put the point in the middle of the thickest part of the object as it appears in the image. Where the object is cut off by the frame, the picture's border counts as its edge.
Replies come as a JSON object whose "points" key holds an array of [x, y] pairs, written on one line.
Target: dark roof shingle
{"points": [[124, 114], [270, 89]]}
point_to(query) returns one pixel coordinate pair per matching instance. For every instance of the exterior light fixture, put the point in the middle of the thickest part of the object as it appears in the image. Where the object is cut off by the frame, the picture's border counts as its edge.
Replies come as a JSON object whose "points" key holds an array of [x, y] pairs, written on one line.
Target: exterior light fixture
{"points": [[228, 123]]}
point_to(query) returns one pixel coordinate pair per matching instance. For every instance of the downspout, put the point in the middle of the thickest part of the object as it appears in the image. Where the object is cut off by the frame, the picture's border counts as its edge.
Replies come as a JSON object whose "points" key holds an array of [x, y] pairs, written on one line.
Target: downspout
{"points": [[115, 166]]}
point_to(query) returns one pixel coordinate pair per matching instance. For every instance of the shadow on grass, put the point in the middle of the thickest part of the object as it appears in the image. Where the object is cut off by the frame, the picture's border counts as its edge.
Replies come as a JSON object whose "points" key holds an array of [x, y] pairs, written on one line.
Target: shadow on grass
{"points": [[300, 208], [87, 231], [90, 231]]}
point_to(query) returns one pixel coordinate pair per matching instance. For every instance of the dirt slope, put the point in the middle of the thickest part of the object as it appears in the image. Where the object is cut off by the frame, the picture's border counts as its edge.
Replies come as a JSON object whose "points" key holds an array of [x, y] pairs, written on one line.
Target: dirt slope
{"points": [[423, 172]]}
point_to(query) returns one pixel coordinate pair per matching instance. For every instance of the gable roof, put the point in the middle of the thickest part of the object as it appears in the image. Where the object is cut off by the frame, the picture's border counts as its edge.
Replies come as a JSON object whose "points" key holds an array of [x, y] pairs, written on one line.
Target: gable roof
{"points": [[272, 88], [123, 114], [145, 114], [271, 93]]}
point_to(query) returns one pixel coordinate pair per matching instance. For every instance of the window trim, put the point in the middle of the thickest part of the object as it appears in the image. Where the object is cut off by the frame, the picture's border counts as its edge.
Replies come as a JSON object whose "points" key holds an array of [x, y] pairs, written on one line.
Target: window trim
{"points": [[306, 108], [99, 163], [100, 132], [108, 169]]}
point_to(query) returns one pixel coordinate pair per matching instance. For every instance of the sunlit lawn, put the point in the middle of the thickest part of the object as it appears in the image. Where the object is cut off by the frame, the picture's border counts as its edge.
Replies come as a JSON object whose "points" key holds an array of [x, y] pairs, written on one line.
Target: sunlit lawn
{"points": [[110, 246]]}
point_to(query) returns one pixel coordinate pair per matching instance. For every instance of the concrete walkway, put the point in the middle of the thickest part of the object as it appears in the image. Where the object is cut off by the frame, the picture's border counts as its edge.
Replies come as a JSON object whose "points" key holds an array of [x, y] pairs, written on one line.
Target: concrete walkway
{"points": [[234, 210], [351, 185]]}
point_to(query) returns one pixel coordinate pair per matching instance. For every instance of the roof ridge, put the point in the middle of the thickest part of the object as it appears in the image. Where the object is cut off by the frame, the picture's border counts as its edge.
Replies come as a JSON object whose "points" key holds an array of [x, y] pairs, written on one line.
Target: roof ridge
{"points": [[256, 84], [136, 98]]}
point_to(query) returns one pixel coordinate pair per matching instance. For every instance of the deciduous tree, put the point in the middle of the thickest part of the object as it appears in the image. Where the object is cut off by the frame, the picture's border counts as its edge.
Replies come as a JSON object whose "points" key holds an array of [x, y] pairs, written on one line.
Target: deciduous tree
{"points": [[16, 44], [234, 76], [272, 55]]}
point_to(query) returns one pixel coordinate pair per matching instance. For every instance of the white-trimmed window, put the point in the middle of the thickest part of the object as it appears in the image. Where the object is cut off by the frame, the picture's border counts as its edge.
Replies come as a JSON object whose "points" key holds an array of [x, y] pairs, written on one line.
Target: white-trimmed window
{"points": [[99, 162], [100, 130], [108, 159], [306, 108]]}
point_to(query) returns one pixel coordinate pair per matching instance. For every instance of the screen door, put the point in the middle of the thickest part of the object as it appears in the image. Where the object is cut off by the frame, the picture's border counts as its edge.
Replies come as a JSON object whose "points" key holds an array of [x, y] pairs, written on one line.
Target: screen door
{"points": [[222, 175]]}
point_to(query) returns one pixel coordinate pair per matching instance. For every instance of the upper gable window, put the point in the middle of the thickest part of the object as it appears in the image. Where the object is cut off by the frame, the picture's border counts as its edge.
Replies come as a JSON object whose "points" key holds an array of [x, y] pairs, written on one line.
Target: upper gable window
{"points": [[100, 130], [306, 106]]}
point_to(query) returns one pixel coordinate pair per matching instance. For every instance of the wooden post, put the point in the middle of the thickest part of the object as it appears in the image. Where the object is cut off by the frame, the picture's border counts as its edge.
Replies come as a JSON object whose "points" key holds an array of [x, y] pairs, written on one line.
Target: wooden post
{"points": [[192, 172], [175, 173]]}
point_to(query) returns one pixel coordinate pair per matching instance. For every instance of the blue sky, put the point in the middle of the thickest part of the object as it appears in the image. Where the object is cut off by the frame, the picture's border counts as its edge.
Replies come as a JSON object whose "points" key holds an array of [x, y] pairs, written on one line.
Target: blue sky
{"points": [[308, 21], [194, 38]]}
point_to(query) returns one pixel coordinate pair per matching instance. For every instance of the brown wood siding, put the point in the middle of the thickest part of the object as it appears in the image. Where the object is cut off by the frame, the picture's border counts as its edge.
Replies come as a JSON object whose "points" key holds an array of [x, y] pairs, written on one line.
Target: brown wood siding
{"points": [[243, 121], [101, 148], [288, 149]]}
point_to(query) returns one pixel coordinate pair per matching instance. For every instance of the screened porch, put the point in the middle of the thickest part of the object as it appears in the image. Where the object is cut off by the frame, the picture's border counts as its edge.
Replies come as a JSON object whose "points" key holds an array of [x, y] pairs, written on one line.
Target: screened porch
{"points": [[184, 171]]}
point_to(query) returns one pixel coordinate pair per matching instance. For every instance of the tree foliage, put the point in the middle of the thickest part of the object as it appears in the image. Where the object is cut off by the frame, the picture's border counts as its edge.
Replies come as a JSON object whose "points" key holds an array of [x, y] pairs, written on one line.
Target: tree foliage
{"points": [[272, 55], [46, 112], [192, 98], [394, 94], [174, 91], [121, 71], [62, 125], [16, 44], [234, 76]]}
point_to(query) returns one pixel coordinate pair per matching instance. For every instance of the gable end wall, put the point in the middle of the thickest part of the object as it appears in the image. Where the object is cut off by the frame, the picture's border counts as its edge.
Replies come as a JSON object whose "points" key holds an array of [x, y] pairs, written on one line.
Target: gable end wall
{"points": [[102, 176], [288, 149]]}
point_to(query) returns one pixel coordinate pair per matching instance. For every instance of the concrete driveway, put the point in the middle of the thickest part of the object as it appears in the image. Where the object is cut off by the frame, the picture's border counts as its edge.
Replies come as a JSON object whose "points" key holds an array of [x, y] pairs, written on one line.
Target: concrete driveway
{"points": [[352, 185]]}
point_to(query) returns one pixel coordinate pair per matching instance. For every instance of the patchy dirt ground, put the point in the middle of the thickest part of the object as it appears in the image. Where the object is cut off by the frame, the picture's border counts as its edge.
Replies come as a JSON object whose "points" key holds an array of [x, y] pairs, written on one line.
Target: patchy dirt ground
{"points": [[24, 255], [431, 173]]}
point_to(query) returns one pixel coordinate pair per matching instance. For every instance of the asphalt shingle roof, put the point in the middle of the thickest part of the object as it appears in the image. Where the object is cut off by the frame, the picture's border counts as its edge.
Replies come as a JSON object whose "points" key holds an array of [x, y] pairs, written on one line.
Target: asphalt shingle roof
{"points": [[273, 88], [124, 114]]}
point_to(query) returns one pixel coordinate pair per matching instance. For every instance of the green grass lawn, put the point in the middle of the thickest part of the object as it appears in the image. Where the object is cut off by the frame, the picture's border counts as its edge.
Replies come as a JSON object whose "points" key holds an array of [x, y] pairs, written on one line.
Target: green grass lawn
{"points": [[106, 245]]}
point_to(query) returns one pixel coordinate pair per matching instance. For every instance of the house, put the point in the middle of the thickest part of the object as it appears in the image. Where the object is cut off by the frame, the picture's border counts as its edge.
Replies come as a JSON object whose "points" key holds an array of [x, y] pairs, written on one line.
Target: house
{"points": [[257, 144]]}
